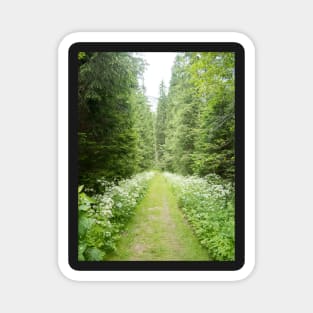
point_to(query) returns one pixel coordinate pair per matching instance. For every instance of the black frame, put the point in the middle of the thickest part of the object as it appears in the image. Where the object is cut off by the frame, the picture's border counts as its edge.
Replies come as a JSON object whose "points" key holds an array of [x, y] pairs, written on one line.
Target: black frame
{"points": [[239, 156]]}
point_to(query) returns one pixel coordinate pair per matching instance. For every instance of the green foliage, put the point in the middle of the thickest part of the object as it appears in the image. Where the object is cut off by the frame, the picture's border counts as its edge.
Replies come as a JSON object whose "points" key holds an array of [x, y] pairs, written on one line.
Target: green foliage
{"points": [[119, 137], [208, 205], [161, 126], [158, 230], [115, 132], [145, 135], [214, 151], [198, 131], [103, 217]]}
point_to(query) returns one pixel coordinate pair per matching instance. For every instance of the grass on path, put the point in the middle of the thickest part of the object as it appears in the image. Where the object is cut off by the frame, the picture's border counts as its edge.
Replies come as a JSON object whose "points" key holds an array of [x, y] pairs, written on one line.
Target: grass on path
{"points": [[158, 230]]}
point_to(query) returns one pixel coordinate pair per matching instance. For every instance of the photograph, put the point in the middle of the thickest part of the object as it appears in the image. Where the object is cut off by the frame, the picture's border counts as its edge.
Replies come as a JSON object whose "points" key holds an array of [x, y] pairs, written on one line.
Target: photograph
{"points": [[156, 156]]}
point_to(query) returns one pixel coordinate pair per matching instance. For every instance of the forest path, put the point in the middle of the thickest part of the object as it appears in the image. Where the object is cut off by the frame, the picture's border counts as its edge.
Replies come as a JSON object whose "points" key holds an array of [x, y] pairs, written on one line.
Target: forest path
{"points": [[158, 230]]}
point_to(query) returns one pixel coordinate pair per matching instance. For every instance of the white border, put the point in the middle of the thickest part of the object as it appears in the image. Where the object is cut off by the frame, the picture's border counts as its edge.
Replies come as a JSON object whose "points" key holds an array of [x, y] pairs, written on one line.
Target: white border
{"points": [[249, 156]]}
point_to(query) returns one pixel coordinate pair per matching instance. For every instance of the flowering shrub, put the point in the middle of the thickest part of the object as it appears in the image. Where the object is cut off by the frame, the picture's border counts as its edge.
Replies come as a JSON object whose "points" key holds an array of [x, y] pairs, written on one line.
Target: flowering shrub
{"points": [[102, 217], [208, 205]]}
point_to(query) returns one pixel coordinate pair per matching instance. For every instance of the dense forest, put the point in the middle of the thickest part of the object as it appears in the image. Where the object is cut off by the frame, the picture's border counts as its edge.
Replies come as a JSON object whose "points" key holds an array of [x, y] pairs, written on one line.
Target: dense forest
{"points": [[128, 152], [195, 120], [192, 133], [116, 126]]}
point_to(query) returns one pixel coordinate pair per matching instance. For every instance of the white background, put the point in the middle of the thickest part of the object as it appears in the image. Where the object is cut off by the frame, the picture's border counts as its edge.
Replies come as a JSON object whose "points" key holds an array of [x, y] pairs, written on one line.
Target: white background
{"points": [[30, 33]]}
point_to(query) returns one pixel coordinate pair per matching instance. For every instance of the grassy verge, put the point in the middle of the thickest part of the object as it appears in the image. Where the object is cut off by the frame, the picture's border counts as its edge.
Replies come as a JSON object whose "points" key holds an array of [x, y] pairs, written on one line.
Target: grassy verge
{"points": [[158, 230]]}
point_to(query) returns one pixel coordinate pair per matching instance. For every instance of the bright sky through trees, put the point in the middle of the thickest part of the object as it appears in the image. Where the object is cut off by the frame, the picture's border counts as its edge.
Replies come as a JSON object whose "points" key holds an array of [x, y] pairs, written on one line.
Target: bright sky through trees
{"points": [[158, 69]]}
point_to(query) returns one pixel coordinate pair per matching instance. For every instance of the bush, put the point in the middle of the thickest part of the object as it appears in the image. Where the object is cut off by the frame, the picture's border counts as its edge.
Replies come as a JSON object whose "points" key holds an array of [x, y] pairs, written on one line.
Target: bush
{"points": [[102, 217], [208, 205]]}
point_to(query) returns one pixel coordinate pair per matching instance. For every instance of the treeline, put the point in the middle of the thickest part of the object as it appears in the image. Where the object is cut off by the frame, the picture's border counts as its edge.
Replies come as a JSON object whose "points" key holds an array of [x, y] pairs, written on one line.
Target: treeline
{"points": [[196, 118], [116, 127], [192, 133]]}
